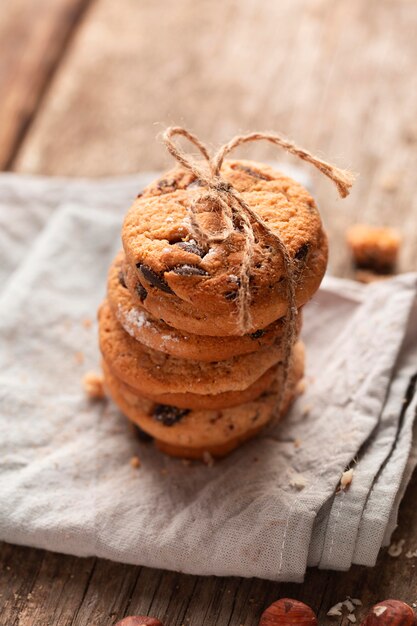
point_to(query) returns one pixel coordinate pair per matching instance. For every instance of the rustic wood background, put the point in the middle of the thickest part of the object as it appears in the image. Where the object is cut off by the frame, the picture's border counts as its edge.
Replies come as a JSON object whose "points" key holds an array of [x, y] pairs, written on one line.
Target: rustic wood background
{"points": [[85, 86]]}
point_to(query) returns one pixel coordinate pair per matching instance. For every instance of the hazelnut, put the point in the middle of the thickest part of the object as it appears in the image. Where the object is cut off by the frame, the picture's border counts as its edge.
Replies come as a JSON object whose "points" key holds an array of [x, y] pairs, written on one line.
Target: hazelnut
{"points": [[139, 620], [288, 612], [390, 613]]}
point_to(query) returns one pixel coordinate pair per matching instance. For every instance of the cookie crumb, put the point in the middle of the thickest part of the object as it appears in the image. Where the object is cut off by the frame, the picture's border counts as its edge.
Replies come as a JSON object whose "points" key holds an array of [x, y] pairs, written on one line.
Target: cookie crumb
{"points": [[297, 443], [298, 481], [87, 322], [374, 248], [301, 386], [135, 462], [346, 479], [396, 548], [93, 384], [79, 357], [208, 459]]}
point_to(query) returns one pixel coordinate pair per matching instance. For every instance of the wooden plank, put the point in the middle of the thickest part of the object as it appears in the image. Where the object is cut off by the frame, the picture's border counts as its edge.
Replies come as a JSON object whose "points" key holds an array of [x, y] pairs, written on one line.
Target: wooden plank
{"points": [[338, 77], [106, 594], [43, 588], [56, 591], [34, 35]]}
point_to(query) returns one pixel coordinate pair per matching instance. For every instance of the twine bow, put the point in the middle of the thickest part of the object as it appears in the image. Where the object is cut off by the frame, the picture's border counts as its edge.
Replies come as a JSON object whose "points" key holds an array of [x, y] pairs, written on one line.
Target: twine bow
{"points": [[236, 214]]}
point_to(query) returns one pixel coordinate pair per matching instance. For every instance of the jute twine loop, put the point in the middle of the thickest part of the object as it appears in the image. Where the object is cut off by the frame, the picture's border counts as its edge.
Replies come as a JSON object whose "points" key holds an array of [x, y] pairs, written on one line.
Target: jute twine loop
{"points": [[220, 196]]}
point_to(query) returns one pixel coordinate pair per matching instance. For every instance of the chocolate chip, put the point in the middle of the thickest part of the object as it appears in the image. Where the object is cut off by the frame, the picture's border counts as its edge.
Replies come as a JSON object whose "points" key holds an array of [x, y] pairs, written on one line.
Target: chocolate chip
{"points": [[264, 395], [189, 270], [122, 279], [192, 247], [257, 334], [141, 434], [168, 415], [141, 291], [153, 278], [238, 224], [166, 186], [252, 172], [302, 252]]}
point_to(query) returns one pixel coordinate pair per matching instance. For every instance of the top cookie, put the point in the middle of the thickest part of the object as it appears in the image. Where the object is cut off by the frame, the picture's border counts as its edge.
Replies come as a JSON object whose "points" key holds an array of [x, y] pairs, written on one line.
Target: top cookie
{"points": [[195, 287]]}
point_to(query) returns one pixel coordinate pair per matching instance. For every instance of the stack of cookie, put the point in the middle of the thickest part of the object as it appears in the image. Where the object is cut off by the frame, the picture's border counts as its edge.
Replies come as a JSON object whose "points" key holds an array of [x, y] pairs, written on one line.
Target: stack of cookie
{"points": [[174, 357]]}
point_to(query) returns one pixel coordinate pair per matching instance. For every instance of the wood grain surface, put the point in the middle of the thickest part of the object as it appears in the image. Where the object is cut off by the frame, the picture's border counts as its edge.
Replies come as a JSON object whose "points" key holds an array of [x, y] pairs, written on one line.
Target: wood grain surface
{"points": [[33, 38], [85, 92]]}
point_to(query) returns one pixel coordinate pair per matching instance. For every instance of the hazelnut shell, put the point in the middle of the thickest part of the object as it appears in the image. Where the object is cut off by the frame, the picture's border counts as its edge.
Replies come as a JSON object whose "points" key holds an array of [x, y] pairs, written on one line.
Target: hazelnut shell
{"points": [[287, 612], [390, 613], [139, 620]]}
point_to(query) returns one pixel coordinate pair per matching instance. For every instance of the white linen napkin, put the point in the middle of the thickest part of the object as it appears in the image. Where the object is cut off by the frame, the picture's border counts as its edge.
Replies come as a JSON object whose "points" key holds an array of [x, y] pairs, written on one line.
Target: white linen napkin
{"points": [[269, 509]]}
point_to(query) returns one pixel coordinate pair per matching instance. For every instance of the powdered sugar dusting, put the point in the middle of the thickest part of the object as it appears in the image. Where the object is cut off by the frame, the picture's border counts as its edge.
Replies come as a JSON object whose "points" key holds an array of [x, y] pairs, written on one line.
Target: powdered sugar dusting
{"points": [[133, 319], [211, 252], [169, 338]]}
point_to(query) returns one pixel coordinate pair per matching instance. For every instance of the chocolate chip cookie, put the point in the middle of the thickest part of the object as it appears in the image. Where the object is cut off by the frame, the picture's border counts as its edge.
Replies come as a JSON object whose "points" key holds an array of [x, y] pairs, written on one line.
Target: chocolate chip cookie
{"points": [[194, 287], [153, 372], [223, 400], [193, 433], [156, 334]]}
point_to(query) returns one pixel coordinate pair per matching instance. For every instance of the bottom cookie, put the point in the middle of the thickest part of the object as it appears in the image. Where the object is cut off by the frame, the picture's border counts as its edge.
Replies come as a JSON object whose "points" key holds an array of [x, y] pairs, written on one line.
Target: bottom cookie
{"points": [[203, 454], [195, 433]]}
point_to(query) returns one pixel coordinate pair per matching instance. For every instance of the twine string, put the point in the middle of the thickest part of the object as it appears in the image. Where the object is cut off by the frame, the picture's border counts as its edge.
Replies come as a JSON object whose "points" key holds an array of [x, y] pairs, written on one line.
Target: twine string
{"points": [[343, 179], [222, 197]]}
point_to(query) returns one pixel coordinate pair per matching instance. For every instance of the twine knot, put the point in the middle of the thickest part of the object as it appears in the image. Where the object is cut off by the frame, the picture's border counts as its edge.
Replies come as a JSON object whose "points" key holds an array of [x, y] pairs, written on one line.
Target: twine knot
{"points": [[220, 185]]}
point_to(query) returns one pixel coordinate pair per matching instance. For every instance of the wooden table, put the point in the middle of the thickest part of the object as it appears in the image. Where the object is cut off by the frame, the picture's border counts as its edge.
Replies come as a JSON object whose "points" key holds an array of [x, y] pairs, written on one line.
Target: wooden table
{"points": [[84, 88]]}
